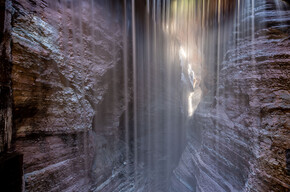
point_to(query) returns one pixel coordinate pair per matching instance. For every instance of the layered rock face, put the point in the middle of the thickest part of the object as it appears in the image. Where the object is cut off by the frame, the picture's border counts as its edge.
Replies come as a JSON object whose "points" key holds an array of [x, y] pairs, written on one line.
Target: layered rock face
{"points": [[64, 63], [69, 98], [5, 78], [240, 131]]}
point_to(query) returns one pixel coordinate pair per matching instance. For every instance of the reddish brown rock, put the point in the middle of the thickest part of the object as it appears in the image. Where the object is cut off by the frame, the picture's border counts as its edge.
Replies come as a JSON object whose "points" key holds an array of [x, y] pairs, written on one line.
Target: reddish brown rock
{"points": [[62, 60], [239, 138], [6, 126]]}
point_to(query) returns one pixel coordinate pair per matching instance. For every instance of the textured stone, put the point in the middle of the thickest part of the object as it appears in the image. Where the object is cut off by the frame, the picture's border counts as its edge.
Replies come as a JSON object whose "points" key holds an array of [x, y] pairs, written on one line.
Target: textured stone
{"points": [[6, 132], [62, 62], [68, 102], [239, 138]]}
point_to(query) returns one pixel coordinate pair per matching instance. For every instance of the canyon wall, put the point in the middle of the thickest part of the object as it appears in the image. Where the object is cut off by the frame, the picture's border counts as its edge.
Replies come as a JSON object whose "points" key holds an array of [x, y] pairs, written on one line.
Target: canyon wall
{"points": [[65, 63], [239, 138], [5, 77], [64, 68]]}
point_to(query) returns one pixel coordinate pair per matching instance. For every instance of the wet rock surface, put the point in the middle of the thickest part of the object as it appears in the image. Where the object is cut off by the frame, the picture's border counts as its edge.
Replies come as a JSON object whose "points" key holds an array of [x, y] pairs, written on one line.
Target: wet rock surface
{"points": [[6, 132], [69, 103], [62, 61], [239, 137]]}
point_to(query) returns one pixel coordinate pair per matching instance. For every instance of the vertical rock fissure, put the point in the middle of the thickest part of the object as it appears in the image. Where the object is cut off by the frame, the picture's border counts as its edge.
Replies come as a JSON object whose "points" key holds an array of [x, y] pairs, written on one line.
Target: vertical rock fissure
{"points": [[6, 131]]}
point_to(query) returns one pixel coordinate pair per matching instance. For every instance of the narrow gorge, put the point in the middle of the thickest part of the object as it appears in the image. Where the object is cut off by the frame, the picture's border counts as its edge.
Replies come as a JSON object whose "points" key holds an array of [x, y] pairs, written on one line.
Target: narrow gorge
{"points": [[145, 95]]}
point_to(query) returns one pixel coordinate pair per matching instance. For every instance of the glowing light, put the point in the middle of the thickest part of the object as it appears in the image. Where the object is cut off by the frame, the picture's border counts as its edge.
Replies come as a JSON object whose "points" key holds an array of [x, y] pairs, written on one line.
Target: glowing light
{"points": [[190, 104], [190, 71], [191, 75], [182, 52]]}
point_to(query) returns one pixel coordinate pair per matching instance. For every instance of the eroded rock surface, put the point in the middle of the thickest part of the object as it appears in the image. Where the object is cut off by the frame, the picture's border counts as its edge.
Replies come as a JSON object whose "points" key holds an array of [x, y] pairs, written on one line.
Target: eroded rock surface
{"points": [[68, 101], [239, 138], [6, 131], [63, 59]]}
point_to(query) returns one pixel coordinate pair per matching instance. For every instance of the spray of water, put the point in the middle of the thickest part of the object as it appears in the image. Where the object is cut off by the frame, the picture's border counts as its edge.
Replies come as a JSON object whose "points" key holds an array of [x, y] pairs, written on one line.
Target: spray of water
{"points": [[172, 58]]}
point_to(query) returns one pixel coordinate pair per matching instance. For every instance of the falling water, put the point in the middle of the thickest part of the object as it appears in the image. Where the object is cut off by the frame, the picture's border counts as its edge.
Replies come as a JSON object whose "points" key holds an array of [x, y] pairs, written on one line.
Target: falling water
{"points": [[167, 59], [163, 79], [172, 57]]}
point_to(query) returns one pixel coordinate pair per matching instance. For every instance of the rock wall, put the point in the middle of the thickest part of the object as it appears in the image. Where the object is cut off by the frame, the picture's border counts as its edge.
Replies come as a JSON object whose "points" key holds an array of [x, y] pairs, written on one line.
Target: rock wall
{"points": [[239, 137], [5, 78], [67, 77], [65, 55]]}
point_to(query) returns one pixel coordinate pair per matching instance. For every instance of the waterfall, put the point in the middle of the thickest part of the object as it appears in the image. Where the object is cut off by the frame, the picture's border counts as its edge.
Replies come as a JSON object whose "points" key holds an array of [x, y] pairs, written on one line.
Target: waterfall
{"points": [[148, 95], [173, 64], [178, 53], [163, 77]]}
